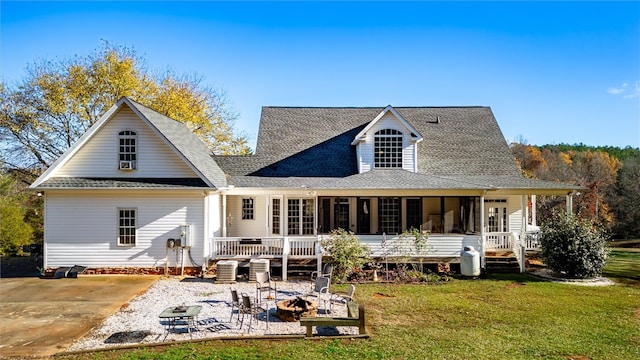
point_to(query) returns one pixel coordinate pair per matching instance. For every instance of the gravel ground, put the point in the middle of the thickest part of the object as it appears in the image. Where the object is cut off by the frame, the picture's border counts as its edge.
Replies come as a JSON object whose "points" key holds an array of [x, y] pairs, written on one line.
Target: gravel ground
{"points": [[548, 275], [137, 322]]}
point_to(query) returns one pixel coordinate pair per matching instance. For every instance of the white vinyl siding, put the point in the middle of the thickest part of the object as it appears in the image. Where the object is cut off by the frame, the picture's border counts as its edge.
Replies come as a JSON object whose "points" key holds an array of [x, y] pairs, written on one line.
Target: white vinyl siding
{"points": [[245, 228], [100, 156], [366, 147], [440, 245], [81, 227]]}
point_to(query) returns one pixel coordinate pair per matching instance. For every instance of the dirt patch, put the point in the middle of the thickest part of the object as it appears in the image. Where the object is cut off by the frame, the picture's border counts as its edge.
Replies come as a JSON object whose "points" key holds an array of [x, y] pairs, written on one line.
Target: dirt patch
{"points": [[515, 285], [382, 296], [636, 313]]}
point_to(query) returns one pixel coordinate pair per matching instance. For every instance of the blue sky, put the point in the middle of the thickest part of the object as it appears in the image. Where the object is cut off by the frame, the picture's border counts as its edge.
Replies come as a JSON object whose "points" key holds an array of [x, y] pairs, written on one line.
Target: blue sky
{"points": [[553, 72]]}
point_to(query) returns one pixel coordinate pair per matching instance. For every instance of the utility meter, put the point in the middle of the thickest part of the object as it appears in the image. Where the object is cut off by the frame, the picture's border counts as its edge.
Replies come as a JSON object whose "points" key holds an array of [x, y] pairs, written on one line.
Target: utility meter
{"points": [[185, 235]]}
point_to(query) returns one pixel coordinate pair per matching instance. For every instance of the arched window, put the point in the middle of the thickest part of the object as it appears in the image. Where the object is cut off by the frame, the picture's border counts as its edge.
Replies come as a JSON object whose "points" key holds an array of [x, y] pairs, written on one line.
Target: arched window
{"points": [[387, 149], [127, 150]]}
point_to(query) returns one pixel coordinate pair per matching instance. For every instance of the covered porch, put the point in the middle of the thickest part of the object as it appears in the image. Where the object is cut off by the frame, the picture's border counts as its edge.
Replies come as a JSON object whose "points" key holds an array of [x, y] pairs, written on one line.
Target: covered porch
{"points": [[287, 226]]}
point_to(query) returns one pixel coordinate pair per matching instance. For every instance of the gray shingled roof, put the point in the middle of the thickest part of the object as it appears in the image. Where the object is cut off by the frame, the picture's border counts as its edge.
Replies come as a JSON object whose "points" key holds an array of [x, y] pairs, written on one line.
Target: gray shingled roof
{"points": [[316, 142], [186, 142], [122, 183], [463, 148]]}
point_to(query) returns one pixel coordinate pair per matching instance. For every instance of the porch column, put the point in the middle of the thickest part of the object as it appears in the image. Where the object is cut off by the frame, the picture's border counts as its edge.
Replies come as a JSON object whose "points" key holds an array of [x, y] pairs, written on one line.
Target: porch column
{"points": [[483, 260], [224, 214], [569, 205], [286, 249], [206, 250], [534, 220], [523, 228]]}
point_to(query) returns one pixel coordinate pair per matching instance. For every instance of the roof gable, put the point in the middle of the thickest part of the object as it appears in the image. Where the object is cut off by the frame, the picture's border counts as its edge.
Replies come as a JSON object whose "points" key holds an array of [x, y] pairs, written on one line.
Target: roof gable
{"points": [[415, 134], [175, 135]]}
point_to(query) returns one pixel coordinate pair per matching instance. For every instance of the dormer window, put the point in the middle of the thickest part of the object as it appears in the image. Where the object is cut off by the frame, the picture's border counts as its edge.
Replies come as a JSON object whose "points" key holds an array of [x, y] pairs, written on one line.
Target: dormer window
{"points": [[387, 149], [127, 151]]}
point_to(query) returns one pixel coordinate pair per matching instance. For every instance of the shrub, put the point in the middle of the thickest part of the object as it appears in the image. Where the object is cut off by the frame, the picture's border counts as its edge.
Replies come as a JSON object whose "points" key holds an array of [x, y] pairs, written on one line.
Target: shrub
{"points": [[345, 253], [412, 245], [573, 247]]}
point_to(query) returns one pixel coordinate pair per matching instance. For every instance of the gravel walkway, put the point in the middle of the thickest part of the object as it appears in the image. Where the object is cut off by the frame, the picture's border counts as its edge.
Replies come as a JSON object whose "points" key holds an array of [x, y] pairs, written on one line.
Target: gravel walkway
{"points": [[138, 323]]}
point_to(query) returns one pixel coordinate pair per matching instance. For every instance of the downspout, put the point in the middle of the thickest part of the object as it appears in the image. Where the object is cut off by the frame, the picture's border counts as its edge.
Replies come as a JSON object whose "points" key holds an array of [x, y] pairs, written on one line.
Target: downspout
{"points": [[224, 214], [205, 243]]}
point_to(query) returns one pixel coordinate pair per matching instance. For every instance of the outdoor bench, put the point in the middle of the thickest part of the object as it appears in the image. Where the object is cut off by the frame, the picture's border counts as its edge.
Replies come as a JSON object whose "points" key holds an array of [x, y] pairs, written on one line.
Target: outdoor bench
{"points": [[355, 317]]}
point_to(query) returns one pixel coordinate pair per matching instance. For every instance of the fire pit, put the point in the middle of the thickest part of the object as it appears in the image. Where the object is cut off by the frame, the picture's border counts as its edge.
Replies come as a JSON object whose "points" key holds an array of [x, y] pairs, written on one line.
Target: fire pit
{"points": [[294, 309]]}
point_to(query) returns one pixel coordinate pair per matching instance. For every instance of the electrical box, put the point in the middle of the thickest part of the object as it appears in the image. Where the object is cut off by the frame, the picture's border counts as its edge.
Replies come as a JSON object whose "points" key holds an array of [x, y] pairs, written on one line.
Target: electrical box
{"points": [[185, 235]]}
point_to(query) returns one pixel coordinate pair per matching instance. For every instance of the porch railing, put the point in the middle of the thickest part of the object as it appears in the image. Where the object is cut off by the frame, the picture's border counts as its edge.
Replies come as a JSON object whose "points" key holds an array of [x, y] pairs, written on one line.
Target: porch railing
{"points": [[499, 241], [243, 247], [275, 248], [532, 240]]}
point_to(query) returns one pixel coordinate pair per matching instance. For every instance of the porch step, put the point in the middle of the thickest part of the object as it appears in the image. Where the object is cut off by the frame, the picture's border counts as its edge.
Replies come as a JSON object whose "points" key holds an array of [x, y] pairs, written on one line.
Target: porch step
{"points": [[301, 268], [502, 264]]}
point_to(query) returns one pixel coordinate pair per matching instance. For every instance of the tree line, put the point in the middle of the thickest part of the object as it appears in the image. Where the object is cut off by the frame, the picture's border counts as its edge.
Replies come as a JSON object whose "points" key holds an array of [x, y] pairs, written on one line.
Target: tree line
{"points": [[609, 174]]}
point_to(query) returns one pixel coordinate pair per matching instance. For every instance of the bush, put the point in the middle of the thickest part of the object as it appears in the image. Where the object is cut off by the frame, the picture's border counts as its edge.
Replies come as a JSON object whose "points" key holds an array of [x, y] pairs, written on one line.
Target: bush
{"points": [[14, 231], [345, 253], [573, 247]]}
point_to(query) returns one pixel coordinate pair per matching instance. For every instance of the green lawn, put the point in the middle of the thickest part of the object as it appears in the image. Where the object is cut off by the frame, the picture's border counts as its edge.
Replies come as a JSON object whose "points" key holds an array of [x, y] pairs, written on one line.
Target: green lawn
{"points": [[624, 265], [505, 317]]}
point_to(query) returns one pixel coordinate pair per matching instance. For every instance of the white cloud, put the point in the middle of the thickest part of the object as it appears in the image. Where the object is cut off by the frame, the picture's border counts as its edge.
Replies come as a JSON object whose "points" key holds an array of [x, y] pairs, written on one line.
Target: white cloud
{"points": [[618, 90], [635, 92], [626, 91]]}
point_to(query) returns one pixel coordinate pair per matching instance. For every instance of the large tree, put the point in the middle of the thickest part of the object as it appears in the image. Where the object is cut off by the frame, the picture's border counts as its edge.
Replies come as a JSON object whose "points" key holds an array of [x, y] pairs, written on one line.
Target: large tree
{"points": [[46, 112], [627, 204]]}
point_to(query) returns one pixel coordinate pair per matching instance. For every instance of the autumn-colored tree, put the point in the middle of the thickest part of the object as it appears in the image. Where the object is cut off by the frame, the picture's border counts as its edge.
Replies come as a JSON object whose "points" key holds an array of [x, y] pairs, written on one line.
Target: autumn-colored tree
{"points": [[595, 170], [529, 158], [58, 101]]}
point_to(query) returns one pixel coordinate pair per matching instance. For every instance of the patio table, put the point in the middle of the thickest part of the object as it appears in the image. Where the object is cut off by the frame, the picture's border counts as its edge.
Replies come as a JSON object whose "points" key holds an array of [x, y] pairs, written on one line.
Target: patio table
{"points": [[181, 316]]}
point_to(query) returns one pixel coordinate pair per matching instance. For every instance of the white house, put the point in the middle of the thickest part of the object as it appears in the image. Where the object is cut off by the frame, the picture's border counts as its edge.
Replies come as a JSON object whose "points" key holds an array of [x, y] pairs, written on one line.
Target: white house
{"points": [[137, 179]]}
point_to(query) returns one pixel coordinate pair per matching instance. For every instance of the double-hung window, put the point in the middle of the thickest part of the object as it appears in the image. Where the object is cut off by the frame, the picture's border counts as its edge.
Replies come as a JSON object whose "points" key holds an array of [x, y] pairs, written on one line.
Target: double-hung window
{"points": [[247, 209], [127, 152], [275, 216], [126, 227], [387, 147], [300, 216]]}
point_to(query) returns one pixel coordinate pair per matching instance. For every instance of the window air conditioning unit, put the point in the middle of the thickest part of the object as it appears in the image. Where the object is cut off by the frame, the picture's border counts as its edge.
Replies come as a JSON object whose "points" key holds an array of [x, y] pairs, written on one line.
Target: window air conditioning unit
{"points": [[126, 165]]}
